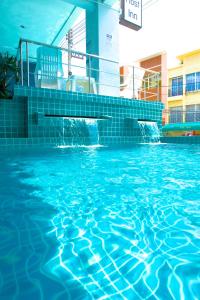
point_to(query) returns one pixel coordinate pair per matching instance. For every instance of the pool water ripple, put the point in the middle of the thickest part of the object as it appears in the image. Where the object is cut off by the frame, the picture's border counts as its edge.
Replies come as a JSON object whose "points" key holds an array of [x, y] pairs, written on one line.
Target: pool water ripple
{"points": [[101, 224]]}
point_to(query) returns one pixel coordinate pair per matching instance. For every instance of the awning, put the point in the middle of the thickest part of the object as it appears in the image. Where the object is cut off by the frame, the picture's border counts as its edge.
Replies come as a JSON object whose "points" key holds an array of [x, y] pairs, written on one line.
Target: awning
{"points": [[181, 126]]}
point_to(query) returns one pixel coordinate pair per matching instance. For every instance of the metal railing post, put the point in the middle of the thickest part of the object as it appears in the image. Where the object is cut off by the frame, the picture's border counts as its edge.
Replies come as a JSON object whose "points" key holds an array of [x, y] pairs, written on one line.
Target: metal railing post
{"points": [[17, 62], [27, 62], [133, 82], [89, 73], [21, 64], [183, 114], [158, 90], [70, 45]]}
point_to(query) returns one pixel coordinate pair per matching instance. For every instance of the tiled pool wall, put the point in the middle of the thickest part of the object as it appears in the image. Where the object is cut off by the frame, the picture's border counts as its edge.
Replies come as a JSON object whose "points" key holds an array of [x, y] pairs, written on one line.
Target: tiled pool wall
{"points": [[13, 118], [181, 140], [24, 119]]}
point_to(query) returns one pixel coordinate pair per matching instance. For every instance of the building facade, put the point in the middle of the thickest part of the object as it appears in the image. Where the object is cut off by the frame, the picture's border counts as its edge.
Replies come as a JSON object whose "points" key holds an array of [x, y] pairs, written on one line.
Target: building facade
{"points": [[147, 80], [183, 103], [155, 89]]}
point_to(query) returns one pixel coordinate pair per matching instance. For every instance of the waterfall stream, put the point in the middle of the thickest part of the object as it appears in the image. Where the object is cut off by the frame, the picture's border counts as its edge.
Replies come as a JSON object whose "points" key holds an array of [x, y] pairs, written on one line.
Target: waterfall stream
{"points": [[150, 131], [81, 131]]}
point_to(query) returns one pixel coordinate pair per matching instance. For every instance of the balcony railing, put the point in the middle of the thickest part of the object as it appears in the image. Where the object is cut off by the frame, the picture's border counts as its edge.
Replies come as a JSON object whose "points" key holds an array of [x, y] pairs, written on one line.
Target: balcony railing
{"points": [[46, 66], [140, 83], [181, 116]]}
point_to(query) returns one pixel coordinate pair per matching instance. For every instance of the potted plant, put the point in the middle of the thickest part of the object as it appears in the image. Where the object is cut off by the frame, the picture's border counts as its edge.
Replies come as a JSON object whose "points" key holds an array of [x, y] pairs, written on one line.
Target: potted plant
{"points": [[8, 75]]}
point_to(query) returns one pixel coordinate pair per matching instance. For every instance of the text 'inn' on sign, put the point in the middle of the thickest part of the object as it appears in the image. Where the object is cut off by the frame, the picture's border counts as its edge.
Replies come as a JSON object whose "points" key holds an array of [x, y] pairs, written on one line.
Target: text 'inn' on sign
{"points": [[131, 14]]}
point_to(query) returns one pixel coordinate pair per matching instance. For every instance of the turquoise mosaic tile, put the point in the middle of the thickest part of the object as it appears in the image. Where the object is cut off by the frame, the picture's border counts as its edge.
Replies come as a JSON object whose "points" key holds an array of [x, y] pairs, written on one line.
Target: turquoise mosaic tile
{"points": [[74, 96], [31, 106], [13, 122]]}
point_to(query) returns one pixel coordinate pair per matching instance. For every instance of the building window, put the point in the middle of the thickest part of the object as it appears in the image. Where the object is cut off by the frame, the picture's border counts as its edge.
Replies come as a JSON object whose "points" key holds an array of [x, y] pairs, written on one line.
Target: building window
{"points": [[192, 113], [193, 82], [177, 86], [176, 114], [151, 81], [198, 80], [190, 82]]}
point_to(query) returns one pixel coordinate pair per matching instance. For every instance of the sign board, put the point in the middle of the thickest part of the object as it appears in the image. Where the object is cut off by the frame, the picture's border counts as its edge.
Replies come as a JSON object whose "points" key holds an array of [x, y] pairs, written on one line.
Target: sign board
{"points": [[77, 55], [131, 15]]}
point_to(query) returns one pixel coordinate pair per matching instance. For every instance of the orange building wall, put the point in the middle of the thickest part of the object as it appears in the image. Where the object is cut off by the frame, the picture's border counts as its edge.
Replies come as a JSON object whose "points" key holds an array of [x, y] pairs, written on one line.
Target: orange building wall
{"points": [[157, 63]]}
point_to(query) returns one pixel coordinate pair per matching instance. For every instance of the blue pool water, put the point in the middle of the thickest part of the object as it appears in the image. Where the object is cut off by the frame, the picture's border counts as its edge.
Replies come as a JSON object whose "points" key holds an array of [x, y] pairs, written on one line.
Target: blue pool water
{"points": [[100, 223]]}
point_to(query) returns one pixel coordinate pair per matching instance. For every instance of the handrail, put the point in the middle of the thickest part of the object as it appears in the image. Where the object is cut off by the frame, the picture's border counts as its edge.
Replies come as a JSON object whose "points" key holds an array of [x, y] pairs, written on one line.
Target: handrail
{"points": [[63, 49], [81, 67], [141, 68], [99, 78]]}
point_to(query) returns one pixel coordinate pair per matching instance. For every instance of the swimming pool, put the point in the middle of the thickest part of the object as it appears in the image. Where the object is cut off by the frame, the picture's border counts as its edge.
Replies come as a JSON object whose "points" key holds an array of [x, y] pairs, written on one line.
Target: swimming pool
{"points": [[100, 223]]}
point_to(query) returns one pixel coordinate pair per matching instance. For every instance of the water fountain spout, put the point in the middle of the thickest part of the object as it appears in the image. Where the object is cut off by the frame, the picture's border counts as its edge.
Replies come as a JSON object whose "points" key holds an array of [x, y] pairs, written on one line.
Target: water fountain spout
{"points": [[149, 131]]}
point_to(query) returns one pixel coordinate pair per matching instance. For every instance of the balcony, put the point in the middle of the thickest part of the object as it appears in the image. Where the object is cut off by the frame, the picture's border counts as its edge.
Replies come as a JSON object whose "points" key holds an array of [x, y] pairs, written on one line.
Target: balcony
{"points": [[180, 116], [50, 67]]}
